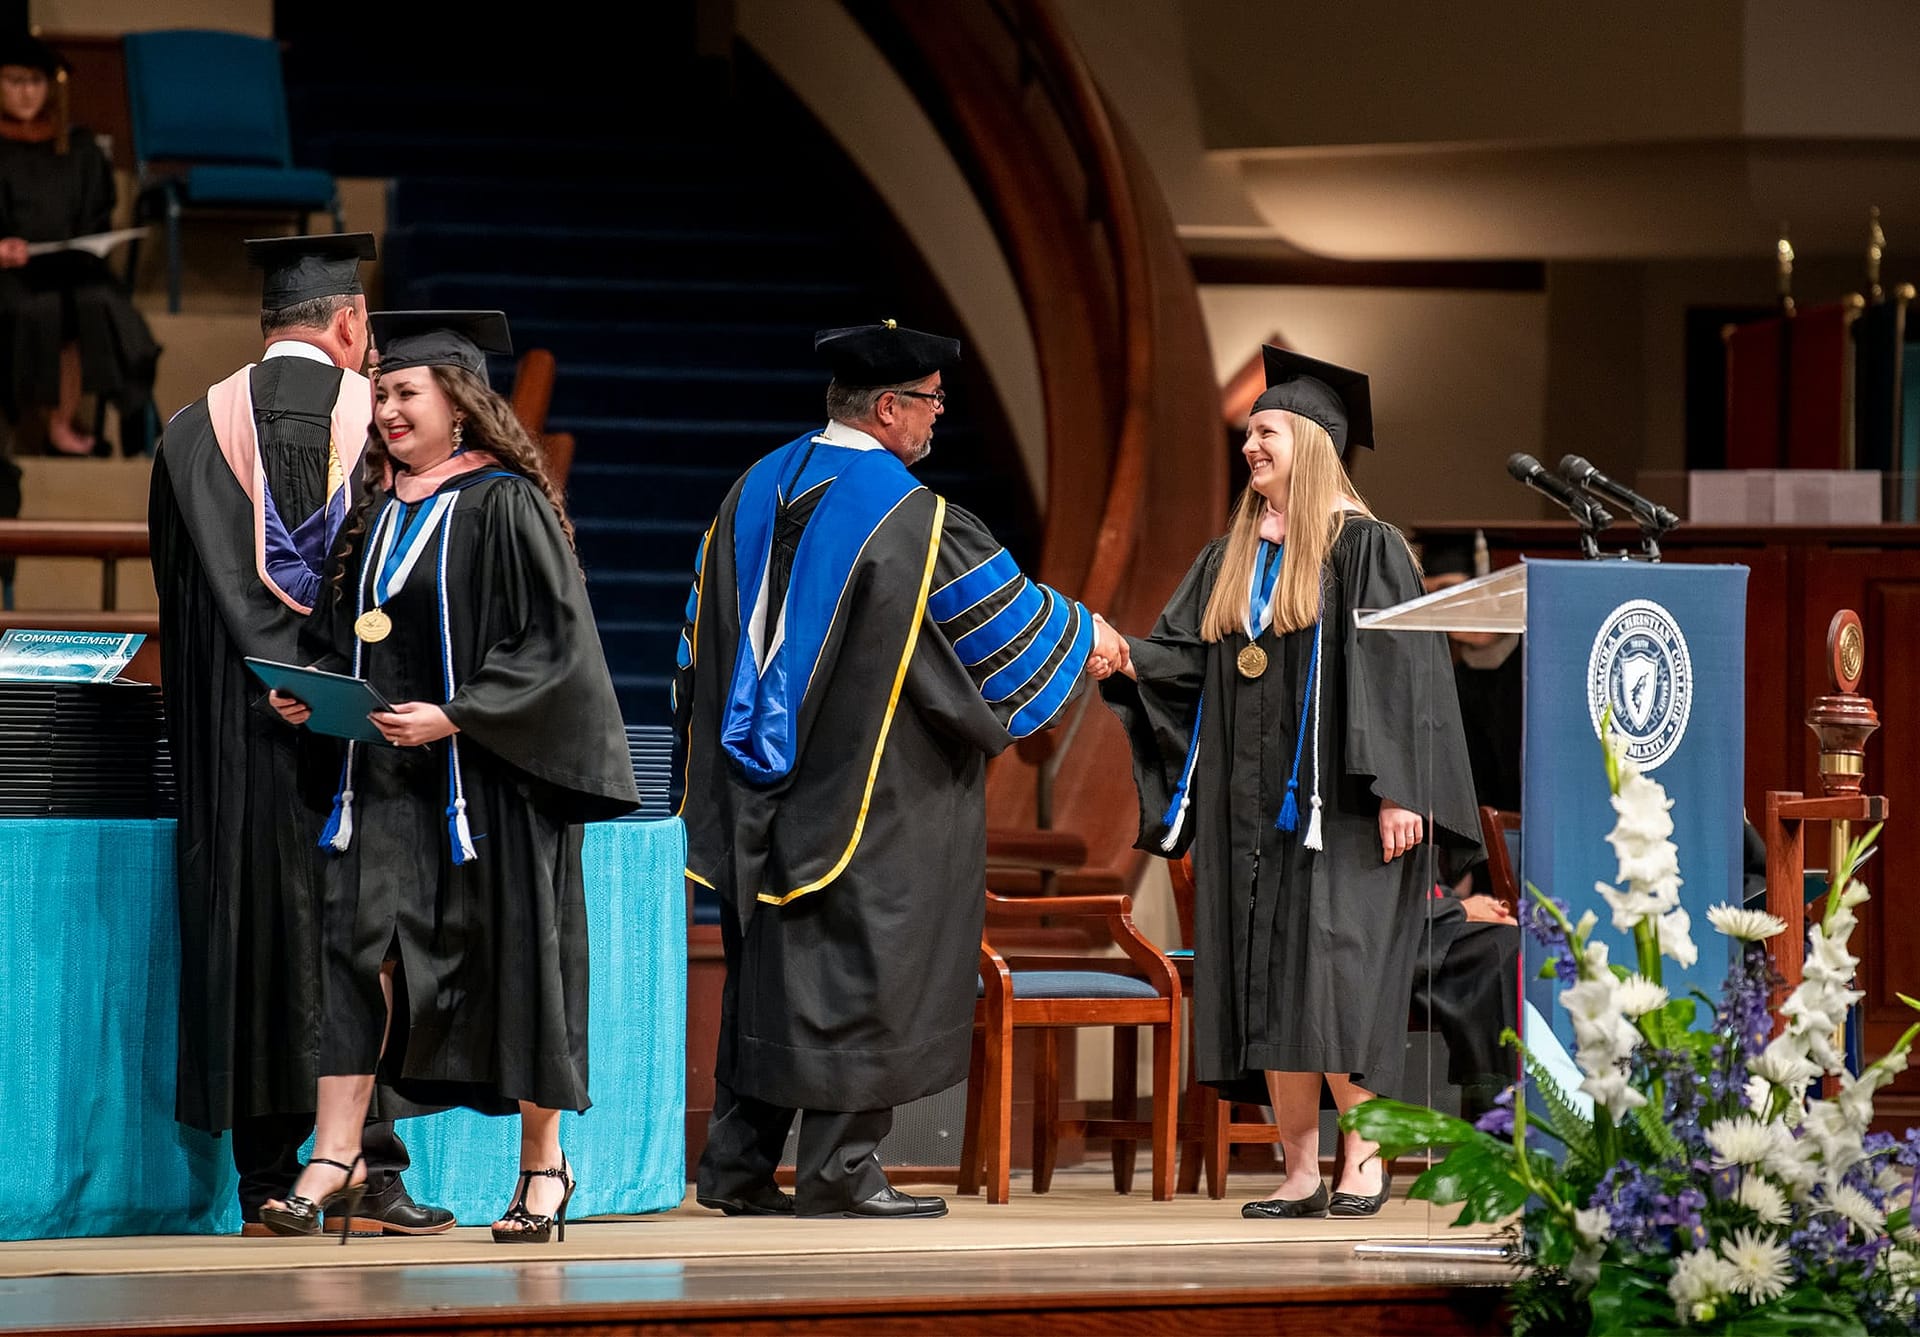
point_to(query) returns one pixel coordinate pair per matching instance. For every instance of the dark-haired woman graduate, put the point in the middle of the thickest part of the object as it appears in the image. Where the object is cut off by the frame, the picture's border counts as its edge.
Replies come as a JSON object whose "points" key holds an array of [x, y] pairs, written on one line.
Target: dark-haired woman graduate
{"points": [[67, 326], [456, 929], [1298, 758]]}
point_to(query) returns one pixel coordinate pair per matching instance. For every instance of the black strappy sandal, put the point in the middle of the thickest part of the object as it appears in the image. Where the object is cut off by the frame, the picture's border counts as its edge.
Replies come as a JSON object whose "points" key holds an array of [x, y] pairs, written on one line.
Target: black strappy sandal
{"points": [[531, 1229], [303, 1216]]}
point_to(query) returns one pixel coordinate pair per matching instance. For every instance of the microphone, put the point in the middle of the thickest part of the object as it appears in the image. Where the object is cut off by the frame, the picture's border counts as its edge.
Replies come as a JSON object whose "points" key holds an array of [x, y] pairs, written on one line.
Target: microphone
{"points": [[1650, 514], [1526, 469]]}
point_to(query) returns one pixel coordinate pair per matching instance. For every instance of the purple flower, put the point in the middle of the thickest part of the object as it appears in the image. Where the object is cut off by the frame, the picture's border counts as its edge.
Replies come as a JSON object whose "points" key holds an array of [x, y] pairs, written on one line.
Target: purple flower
{"points": [[1541, 925], [1648, 1213]]}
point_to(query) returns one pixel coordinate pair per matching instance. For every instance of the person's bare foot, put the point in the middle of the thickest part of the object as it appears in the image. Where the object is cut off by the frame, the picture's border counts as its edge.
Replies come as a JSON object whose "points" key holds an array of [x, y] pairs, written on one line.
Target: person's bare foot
{"points": [[1294, 1187], [318, 1179], [1362, 1180], [64, 440]]}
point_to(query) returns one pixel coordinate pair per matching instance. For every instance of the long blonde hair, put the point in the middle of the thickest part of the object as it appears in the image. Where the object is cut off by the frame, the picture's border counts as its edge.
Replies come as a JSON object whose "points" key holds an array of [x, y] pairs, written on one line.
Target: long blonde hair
{"points": [[1320, 496]]}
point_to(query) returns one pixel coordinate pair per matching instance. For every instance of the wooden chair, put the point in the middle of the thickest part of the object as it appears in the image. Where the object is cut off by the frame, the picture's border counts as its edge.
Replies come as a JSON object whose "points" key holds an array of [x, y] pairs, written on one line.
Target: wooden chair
{"points": [[532, 395], [1500, 833], [1051, 992], [1208, 1125]]}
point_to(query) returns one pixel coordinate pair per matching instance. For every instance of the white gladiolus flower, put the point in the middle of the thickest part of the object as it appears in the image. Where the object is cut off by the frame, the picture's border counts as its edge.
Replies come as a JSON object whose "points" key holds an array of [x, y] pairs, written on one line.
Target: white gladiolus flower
{"points": [[1745, 925], [1629, 907], [1593, 1224], [1759, 1094], [1637, 995], [1584, 925], [1744, 1140], [1699, 1278], [1761, 1270], [1851, 1203], [1612, 1090], [1764, 1200], [1675, 940], [1855, 894]]}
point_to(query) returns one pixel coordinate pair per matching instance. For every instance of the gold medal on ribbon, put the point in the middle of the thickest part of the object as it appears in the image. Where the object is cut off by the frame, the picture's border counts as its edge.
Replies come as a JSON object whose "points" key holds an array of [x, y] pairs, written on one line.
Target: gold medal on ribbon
{"points": [[374, 625], [1251, 663]]}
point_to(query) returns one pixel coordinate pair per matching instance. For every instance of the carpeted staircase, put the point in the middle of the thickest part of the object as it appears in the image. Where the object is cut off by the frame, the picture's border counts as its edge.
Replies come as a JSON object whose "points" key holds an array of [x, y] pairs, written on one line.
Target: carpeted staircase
{"points": [[674, 238]]}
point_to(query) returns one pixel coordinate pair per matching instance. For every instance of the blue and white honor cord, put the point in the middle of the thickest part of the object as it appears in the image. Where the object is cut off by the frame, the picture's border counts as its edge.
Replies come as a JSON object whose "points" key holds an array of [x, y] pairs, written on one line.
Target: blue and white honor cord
{"points": [[338, 833]]}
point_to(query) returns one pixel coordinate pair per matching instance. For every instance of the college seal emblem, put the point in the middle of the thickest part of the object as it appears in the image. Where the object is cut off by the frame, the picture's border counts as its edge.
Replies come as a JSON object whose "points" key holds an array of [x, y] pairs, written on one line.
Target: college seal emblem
{"points": [[1640, 666]]}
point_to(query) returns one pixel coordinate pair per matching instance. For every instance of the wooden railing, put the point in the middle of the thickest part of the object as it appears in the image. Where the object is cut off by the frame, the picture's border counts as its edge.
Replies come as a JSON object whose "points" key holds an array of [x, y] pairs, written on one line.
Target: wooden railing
{"points": [[1136, 471], [105, 540]]}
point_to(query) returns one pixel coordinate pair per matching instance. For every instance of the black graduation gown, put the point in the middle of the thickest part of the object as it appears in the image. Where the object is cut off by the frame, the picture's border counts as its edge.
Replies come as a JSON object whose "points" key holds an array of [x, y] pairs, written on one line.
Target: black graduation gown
{"points": [[246, 858], [490, 995], [69, 296], [856, 881], [1303, 960]]}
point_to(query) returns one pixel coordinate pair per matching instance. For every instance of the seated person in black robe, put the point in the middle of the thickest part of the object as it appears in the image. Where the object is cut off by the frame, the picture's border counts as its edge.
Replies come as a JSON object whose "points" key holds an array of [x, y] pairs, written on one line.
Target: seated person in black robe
{"points": [[67, 325], [1298, 757], [455, 904]]}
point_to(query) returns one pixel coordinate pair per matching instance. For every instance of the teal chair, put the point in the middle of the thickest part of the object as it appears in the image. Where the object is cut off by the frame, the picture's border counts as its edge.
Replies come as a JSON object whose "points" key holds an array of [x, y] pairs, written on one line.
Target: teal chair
{"points": [[209, 116]]}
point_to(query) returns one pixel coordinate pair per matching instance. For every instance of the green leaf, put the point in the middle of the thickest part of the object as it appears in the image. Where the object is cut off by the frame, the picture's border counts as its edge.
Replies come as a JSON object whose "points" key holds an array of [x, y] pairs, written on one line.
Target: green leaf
{"points": [[1563, 1120], [1478, 1175], [1660, 1138], [1400, 1128], [1627, 1299], [1806, 1310]]}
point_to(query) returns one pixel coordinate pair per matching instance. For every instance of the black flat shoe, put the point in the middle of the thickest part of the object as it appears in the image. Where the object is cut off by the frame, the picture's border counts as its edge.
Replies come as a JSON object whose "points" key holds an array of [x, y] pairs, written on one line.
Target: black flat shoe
{"points": [[889, 1204], [303, 1216], [1288, 1209], [767, 1201], [523, 1227], [1352, 1204], [392, 1211]]}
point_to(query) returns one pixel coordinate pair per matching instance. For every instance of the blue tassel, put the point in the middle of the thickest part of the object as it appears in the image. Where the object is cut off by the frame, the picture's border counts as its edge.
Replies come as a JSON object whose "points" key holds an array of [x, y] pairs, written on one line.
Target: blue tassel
{"points": [[1289, 818]]}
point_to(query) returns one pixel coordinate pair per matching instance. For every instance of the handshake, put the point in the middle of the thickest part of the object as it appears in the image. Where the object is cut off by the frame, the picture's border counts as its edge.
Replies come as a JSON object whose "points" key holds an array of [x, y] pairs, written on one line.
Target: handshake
{"points": [[1110, 654]]}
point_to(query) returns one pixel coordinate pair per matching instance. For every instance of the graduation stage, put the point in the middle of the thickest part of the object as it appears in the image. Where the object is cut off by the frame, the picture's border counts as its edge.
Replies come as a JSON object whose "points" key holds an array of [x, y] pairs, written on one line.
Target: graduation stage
{"points": [[1079, 1258]]}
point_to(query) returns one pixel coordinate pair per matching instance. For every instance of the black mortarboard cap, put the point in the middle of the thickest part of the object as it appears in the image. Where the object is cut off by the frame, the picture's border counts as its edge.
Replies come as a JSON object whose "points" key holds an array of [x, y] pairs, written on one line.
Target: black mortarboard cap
{"points": [[29, 52], [885, 354], [1447, 555], [299, 269], [440, 339], [1335, 397]]}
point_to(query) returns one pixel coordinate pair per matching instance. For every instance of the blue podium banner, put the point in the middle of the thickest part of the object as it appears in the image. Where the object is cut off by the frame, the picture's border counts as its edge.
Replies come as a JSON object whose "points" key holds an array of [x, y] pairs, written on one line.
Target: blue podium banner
{"points": [[1665, 648]]}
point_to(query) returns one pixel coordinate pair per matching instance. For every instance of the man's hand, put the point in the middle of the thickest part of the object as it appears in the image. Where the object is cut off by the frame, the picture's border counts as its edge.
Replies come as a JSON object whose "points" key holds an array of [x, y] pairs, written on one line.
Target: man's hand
{"points": [[1486, 910], [413, 723], [1400, 830], [13, 252], [291, 710], [1111, 653]]}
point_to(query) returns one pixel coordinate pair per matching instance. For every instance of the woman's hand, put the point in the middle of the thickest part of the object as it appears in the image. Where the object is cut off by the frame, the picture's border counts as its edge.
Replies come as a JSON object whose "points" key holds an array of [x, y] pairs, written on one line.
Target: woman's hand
{"points": [[13, 252], [292, 710], [1111, 653], [1399, 830], [413, 723]]}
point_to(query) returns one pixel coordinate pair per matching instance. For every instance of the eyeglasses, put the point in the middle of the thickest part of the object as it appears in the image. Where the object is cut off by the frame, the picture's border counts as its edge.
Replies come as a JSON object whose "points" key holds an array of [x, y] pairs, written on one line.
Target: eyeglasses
{"points": [[939, 397]]}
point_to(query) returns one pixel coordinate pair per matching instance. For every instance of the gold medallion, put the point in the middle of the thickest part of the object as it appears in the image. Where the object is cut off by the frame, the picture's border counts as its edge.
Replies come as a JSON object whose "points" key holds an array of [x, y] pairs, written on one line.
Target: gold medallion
{"points": [[1252, 662], [373, 625]]}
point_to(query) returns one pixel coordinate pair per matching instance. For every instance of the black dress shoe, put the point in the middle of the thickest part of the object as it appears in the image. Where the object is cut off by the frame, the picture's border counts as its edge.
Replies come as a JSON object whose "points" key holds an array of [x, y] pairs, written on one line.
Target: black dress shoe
{"points": [[889, 1204], [1288, 1209], [765, 1201], [1352, 1204], [392, 1211]]}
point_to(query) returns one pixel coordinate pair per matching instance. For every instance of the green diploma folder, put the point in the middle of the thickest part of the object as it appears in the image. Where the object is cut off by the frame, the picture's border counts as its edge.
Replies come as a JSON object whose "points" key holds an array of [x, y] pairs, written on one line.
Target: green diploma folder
{"points": [[340, 704]]}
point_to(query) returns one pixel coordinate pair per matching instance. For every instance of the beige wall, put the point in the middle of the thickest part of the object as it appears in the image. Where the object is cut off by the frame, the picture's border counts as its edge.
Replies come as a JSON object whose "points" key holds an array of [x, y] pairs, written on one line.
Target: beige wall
{"points": [[112, 16], [823, 56]]}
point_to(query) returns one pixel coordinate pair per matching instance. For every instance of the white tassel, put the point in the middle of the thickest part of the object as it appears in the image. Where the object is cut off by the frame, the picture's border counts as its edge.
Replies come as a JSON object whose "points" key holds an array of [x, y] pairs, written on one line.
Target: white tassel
{"points": [[343, 833], [462, 834], [1312, 840]]}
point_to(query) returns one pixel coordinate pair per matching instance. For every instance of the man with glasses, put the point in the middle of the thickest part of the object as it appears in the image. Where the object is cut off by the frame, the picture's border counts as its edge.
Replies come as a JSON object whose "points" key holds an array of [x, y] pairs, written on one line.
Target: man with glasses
{"points": [[855, 650]]}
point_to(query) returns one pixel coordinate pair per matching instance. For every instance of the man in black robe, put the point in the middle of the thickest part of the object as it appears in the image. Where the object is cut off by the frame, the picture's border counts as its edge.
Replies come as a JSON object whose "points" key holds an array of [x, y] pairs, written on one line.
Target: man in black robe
{"points": [[855, 650], [249, 488]]}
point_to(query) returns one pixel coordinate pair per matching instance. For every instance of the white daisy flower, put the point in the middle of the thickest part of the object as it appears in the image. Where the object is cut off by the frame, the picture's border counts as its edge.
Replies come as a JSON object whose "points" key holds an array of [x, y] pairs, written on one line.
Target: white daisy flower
{"points": [[1638, 995], [1889, 1178], [1761, 1270], [1746, 925], [1743, 1140], [1851, 1203], [1784, 1063], [1764, 1200]]}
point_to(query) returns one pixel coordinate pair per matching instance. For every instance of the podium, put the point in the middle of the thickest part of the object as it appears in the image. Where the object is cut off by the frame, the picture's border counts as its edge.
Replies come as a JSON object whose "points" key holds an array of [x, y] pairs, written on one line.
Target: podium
{"points": [[1664, 647]]}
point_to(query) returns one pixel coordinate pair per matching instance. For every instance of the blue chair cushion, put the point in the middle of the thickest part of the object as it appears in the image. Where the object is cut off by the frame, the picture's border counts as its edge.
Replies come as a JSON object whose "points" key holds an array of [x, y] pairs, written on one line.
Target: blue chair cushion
{"points": [[260, 185], [1077, 984]]}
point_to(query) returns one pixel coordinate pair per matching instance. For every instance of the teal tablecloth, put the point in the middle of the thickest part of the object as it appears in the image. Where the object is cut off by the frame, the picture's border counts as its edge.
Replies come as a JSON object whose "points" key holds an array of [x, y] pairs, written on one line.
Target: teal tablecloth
{"points": [[89, 977]]}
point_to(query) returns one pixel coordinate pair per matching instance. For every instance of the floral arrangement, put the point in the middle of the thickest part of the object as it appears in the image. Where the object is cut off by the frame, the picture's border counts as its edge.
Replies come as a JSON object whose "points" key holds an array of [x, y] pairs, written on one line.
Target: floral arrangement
{"points": [[1710, 1188]]}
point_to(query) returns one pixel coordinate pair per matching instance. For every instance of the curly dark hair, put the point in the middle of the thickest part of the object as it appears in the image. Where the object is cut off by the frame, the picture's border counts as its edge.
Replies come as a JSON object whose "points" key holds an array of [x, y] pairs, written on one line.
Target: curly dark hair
{"points": [[490, 425]]}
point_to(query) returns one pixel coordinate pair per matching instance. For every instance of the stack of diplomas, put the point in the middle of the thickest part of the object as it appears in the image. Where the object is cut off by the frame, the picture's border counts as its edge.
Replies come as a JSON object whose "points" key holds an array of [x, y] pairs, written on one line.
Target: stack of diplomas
{"points": [[83, 750]]}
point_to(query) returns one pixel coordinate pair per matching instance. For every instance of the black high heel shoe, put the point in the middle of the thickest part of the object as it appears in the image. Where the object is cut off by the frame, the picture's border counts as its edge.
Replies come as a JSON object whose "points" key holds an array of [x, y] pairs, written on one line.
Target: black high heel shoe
{"points": [[302, 1216], [1353, 1204], [531, 1229]]}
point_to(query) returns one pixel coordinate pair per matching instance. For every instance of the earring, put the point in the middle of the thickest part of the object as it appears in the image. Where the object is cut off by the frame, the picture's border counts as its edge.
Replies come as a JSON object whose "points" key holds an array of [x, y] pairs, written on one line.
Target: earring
{"points": [[459, 430]]}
